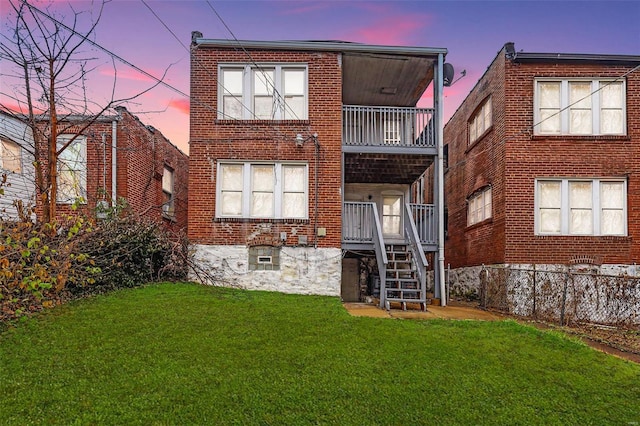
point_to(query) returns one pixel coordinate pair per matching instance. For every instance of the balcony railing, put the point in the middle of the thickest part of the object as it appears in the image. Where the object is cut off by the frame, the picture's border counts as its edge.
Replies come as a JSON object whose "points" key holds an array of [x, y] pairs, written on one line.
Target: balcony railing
{"points": [[388, 126], [359, 222], [425, 221]]}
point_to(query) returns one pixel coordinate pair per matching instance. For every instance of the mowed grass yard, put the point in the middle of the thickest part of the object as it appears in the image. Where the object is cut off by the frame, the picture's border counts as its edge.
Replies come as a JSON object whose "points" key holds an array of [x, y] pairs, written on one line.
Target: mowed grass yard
{"points": [[177, 354]]}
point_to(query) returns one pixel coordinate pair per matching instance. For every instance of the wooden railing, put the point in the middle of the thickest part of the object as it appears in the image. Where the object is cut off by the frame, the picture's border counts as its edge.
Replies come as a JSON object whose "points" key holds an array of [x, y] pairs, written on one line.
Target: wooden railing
{"points": [[388, 126]]}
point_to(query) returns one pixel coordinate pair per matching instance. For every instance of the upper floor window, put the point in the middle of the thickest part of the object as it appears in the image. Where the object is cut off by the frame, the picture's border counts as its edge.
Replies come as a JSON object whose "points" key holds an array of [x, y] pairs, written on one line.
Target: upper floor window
{"points": [[479, 206], [168, 204], [72, 170], [579, 107], [10, 156], [262, 190], [263, 92], [480, 121], [581, 207]]}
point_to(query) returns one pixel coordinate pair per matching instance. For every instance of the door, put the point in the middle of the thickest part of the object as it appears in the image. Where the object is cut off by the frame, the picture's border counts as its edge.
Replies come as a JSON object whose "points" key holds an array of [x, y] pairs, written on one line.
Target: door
{"points": [[350, 286], [392, 216]]}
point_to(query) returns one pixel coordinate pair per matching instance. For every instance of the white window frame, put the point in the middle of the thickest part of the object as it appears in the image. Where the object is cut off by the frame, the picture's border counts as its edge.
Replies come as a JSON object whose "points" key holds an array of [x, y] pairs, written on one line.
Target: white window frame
{"points": [[280, 110], [479, 206], [168, 188], [10, 156], [481, 121], [79, 173], [565, 106], [247, 189], [565, 207]]}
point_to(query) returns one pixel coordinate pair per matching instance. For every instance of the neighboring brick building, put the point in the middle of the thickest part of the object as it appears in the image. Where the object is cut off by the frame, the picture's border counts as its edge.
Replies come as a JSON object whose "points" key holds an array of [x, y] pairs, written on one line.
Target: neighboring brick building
{"points": [[544, 165], [297, 149], [151, 172]]}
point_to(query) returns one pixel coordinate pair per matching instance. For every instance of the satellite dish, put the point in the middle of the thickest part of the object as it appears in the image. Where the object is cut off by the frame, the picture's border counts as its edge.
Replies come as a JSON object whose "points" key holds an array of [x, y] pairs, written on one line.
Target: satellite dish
{"points": [[447, 73]]}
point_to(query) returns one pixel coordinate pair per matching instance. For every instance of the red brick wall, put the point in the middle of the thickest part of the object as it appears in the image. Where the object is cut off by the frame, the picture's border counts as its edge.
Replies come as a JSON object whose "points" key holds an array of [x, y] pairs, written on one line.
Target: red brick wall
{"points": [[141, 156], [529, 157], [472, 167], [510, 158], [213, 140]]}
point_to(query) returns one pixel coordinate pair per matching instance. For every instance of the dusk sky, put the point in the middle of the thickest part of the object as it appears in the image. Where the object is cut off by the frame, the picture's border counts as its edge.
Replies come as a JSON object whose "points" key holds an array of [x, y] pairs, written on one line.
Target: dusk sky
{"points": [[472, 31]]}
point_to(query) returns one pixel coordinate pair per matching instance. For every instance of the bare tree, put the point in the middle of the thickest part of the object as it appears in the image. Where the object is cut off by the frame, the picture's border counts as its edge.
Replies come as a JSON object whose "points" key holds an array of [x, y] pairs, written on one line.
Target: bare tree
{"points": [[46, 86]]}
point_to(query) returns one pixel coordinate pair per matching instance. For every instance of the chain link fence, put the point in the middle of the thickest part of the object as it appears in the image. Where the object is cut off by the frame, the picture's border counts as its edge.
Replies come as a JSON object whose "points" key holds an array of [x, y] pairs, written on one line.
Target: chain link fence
{"points": [[565, 297]]}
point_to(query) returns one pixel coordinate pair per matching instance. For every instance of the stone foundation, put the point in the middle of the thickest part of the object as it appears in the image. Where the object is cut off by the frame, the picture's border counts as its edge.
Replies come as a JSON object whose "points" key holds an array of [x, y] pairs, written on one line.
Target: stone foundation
{"points": [[465, 282], [302, 270]]}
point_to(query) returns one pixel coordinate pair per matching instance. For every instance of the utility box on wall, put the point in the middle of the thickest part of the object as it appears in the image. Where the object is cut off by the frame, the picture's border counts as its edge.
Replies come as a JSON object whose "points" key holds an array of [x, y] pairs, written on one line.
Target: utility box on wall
{"points": [[350, 288]]}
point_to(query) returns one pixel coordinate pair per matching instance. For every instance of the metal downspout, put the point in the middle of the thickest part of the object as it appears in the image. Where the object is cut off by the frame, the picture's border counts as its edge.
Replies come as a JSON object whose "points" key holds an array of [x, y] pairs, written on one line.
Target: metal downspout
{"points": [[114, 162], [438, 99]]}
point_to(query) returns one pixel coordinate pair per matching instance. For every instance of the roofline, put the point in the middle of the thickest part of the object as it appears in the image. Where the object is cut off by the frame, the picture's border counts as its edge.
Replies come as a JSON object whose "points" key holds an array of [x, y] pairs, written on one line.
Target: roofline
{"points": [[330, 46], [526, 57]]}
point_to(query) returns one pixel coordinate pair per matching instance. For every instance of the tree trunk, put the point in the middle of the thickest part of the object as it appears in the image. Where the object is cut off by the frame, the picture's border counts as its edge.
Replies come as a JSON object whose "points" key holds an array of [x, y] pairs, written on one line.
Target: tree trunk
{"points": [[53, 147]]}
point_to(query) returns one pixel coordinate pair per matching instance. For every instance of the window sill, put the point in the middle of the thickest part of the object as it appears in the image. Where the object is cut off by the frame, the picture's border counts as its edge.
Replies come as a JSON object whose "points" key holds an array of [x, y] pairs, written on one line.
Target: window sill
{"points": [[479, 139], [581, 138], [169, 218], [228, 122], [257, 220], [613, 238], [479, 224]]}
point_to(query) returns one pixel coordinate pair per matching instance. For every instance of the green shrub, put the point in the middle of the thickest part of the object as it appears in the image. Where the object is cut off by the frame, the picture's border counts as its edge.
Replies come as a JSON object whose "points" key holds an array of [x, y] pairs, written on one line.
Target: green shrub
{"points": [[42, 265], [131, 250]]}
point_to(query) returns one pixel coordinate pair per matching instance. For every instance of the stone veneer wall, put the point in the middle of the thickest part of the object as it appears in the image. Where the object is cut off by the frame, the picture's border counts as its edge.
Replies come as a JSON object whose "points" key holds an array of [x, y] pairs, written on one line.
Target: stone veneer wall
{"points": [[465, 282], [303, 270]]}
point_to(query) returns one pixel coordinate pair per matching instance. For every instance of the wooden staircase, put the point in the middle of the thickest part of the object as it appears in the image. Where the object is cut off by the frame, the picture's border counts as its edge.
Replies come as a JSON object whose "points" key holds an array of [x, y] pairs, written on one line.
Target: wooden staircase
{"points": [[401, 282]]}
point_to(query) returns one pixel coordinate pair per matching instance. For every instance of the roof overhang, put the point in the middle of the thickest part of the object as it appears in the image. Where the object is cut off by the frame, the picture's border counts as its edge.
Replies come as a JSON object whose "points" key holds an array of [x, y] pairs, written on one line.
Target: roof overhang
{"points": [[376, 75], [576, 58]]}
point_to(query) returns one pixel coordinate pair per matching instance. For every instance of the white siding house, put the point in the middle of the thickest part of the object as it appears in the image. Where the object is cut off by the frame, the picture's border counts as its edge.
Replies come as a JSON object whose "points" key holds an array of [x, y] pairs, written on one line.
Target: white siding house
{"points": [[16, 162]]}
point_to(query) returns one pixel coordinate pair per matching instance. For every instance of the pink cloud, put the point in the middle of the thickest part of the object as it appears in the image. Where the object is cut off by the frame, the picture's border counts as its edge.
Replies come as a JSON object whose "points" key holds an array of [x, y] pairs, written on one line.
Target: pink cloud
{"points": [[389, 30], [128, 74], [20, 108], [181, 105]]}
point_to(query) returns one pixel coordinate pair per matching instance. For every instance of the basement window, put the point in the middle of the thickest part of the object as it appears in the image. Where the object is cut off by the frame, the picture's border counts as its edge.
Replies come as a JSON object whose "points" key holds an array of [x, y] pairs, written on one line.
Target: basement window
{"points": [[264, 258]]}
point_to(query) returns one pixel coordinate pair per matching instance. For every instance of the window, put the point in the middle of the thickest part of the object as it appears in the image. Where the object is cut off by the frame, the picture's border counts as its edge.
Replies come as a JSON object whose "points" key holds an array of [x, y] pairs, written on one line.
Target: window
{"points": [[168, 205], [10, 156], [480, 121], [267, 92], [479, 206], [264, 258], [581, 207], [392, 133], [72, 170], [579, 107], [262, 190]]}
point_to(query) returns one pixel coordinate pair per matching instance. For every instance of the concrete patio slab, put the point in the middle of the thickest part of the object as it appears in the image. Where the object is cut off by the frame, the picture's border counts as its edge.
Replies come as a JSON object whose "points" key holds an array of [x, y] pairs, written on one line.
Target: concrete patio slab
{"points": [[447, 312]]}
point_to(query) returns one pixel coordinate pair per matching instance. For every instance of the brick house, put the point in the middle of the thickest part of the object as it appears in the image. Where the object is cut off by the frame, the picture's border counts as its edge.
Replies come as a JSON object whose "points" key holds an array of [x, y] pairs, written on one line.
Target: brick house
{"points": [[302, 156], [150, 172], [544, 165]]}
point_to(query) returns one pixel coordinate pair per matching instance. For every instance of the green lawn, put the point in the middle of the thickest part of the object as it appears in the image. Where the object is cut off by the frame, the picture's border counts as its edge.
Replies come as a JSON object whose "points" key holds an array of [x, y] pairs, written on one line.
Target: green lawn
{"points": [[175, 354]]}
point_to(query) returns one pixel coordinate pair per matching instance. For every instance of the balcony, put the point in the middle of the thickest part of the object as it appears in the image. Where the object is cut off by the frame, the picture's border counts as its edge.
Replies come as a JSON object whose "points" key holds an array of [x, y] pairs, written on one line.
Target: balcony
{"points": [[387, 129], [361, 225], [387, 144]]}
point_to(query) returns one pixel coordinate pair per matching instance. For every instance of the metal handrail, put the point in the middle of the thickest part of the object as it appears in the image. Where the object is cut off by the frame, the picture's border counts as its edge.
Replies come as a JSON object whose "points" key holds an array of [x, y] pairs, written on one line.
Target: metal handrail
{"points": [[412, 237], [426, 226]]}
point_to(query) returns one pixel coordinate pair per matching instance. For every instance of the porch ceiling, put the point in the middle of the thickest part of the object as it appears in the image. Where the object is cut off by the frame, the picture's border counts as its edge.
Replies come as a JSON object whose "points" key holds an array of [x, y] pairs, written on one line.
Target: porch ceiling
{"points": [[365, 75], [384, 168]]}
